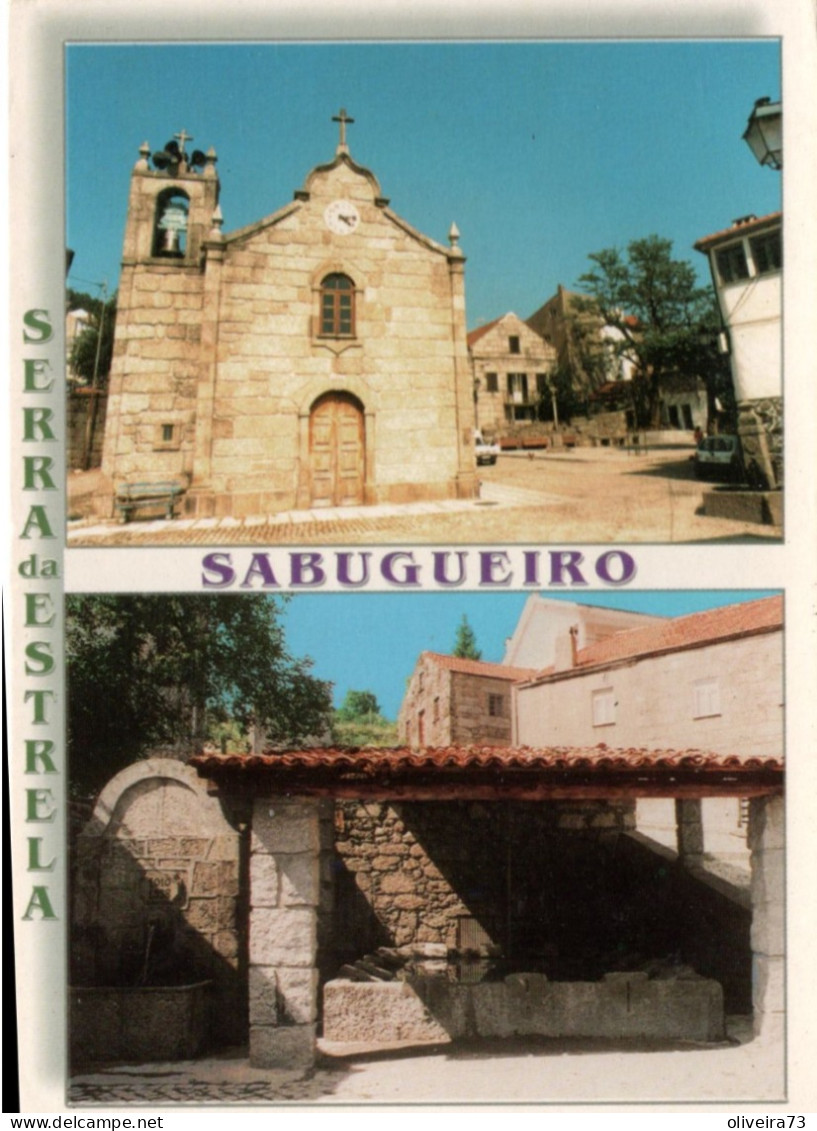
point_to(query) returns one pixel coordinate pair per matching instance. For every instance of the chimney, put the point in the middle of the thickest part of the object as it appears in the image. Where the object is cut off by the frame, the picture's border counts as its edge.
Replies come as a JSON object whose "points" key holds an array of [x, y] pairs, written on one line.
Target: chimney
{"points": [[566, 650]]}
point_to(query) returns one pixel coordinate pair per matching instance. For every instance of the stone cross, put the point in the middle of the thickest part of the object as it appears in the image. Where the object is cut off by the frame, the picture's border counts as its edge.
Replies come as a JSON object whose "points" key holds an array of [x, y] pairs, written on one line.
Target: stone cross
{"points": [[344, 122], [182, 137]]}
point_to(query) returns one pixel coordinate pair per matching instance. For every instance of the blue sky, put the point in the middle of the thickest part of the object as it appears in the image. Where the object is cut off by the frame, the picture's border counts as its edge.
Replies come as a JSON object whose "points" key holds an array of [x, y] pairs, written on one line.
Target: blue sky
{"points": [[542, 152], [370, 642]]}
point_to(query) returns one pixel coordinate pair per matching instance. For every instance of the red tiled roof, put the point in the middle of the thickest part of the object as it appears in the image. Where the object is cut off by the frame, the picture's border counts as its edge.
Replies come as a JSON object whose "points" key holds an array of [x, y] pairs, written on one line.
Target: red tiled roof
{"points": [[708, 627], [479, 667], [737, 229], [373, 760]]}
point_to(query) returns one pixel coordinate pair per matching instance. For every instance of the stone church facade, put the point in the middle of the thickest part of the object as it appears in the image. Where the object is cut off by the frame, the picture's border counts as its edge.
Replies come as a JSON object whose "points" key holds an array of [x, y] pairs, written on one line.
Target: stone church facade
{"points": [[315, 358]]}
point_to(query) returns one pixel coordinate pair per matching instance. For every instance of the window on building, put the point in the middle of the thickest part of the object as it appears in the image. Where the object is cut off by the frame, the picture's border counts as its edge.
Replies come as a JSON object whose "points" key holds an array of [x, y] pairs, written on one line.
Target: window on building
{"points": [[706, 698], [767, 252], [731, 263], [518, 387], [513, 344], [421, 728], [167, 436], [542, 386], [604, 707], [436, 712], [496, 706], [338, 306], [491, 383]]}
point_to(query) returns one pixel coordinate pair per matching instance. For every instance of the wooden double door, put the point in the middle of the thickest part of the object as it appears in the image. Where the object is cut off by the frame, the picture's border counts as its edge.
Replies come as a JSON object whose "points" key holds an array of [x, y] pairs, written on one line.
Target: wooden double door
{"points": [[337, 451]]}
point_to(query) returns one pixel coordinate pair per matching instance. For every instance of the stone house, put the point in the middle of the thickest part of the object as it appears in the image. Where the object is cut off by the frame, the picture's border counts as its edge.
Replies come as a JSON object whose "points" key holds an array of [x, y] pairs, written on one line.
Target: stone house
{"points": [[746, 261], [451, 701], [316, 357], [511, 366]]}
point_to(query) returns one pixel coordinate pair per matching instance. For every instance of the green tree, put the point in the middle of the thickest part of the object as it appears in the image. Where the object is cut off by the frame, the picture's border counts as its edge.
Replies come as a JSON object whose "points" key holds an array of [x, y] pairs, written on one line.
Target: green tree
{"points": [[150, 670], [667, 323], [359, 722], [92, 350], [357, 704], [465, 645]]}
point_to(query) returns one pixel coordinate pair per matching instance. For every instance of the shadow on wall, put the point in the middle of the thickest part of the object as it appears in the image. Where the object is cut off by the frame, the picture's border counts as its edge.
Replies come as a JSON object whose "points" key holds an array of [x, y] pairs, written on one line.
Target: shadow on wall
{"points": [[557, 888]]}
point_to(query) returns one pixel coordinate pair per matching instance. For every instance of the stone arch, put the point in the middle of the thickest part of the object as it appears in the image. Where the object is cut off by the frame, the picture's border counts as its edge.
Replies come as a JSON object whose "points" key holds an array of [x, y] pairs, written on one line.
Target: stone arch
{"points": [[158, 874], [170, 223]]}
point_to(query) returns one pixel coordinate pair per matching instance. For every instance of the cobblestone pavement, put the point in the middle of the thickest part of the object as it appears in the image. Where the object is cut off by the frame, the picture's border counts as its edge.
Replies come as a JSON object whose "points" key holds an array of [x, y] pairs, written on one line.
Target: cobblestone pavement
{"points": [[218, 1080], [587, 495]]}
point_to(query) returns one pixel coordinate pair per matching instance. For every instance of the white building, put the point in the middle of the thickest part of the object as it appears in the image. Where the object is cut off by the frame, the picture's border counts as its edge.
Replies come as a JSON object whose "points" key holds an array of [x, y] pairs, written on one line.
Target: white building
{"points": [[746, 261]]}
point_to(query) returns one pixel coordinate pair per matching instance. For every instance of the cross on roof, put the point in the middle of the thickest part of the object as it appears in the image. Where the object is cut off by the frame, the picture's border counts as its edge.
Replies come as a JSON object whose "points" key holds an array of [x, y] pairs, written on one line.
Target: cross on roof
{"points": [[182, 137], [345, 121]]}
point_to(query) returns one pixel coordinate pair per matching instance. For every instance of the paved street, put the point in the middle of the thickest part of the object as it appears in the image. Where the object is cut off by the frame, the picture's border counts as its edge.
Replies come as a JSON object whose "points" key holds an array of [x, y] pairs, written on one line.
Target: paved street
{"points": [[556, 1072], [586, 495]]}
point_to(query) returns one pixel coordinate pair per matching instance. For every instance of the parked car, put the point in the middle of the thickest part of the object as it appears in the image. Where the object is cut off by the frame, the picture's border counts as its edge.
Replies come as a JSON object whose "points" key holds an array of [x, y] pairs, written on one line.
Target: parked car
{"points": [[485, 452], [719, 457]]}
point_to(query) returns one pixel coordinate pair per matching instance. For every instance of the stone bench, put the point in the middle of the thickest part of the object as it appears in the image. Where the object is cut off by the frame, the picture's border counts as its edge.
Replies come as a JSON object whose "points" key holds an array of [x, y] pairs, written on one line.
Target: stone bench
{"points": [[131, 497]]}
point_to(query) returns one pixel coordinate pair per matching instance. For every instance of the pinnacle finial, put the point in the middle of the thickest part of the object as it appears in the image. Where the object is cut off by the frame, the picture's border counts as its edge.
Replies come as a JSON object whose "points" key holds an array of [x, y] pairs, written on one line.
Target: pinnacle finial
{"points": [[453, 235]]}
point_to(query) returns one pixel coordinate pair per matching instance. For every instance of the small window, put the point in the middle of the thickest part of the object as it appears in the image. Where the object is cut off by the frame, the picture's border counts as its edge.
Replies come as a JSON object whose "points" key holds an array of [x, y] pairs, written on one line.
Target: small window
{"points": [[491, 383], [706, 698], [436, 713], [731, 263], [743, 812], [604, 707], [542, 386], [767, 252], [513, 344], [337, 306], [496, 706], [167, 435]]}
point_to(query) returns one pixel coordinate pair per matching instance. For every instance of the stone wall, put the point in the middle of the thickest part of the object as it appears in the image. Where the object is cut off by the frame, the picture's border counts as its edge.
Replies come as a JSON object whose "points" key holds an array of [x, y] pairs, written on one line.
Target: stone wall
{"points": [[434, 872], [156, 893]]}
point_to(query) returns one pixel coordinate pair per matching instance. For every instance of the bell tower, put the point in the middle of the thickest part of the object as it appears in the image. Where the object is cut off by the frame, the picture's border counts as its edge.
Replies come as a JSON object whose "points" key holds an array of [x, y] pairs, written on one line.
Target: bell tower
{"points": [[173, 196]]}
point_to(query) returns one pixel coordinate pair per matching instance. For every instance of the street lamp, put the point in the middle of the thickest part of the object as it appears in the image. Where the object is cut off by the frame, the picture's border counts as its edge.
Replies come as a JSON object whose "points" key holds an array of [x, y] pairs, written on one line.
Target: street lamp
{"points": [[763, 133]]}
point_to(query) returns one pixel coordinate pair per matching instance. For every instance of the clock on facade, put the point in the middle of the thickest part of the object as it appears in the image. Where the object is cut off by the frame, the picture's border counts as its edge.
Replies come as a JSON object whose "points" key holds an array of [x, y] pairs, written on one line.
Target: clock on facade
{"points": [[341, 217]]}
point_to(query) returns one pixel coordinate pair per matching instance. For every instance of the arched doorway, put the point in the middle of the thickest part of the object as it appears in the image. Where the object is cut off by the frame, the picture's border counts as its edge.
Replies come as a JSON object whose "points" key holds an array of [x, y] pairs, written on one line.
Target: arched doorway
{"points": [[336, 451]]}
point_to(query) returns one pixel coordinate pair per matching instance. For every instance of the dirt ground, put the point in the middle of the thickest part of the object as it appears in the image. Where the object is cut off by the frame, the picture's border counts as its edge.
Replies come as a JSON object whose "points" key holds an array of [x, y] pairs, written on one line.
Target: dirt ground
{"points": [[586, 495]]}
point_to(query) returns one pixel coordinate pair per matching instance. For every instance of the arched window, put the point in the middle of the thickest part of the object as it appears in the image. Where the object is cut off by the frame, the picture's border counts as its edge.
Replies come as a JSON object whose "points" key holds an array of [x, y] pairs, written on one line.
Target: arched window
{"points": [[170, 232], [338, 306]]}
